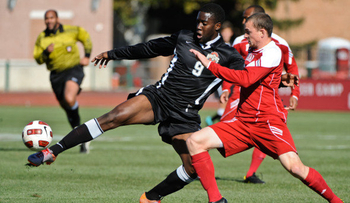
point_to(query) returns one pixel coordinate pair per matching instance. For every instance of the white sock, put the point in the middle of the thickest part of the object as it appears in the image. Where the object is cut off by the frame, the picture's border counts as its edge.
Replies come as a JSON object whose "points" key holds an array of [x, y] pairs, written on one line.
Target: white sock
{"points": [[182, 174], [94, 128], [75, 106]]}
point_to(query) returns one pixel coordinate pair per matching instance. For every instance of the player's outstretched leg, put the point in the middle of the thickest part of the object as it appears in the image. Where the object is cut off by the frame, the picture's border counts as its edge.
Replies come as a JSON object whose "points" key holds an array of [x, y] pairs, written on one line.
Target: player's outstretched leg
{"points": [[44, 156], [309, 176], [315, 181], [175, 181], [83, 133], [205, 170]]}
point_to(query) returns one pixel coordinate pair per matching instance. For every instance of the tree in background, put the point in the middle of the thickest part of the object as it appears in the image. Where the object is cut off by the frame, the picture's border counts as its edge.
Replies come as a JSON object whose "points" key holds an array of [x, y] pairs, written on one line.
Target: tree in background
{"points": [[135, 20]]}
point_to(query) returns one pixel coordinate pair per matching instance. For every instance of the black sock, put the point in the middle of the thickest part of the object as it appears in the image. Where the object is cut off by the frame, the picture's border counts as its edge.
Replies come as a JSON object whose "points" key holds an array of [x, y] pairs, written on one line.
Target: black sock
{"points": [[171, 184], [77, 136], [73, 117]]}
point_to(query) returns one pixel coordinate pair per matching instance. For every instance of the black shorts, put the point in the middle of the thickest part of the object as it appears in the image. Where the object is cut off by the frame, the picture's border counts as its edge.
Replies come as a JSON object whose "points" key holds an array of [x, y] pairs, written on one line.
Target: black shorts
{"points": [[58, 80], [173, 119]]}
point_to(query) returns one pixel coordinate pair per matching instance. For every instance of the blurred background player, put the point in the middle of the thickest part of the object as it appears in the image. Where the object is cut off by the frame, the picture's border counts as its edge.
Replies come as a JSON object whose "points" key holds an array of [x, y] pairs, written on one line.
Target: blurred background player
{"points": [[226, 34], [290, 66], [173, 101], [56, 47], [260, 120]]}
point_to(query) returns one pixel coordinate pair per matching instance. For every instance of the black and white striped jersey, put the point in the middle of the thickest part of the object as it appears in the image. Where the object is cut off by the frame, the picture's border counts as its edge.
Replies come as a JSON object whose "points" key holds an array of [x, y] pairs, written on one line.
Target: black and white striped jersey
{"points": [[187, 82]]}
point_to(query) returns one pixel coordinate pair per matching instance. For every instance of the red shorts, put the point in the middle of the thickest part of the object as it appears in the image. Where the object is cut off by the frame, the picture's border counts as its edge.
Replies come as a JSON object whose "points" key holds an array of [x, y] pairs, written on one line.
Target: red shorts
{"points": [[273, 137]]}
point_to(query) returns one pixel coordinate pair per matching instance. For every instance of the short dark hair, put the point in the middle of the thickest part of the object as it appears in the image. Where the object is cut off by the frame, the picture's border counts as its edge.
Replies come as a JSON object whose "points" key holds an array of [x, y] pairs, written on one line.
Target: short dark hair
{"points": [[52, 11], [257, 9], [262, 21], [226, 24], [216, 9]]}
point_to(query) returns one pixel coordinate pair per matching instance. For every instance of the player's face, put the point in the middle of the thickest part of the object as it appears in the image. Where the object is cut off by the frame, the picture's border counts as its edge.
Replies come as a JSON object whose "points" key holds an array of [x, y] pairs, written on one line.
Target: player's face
{"points": [[247, 13], [252, 34], [51, 20], [207, 28]]}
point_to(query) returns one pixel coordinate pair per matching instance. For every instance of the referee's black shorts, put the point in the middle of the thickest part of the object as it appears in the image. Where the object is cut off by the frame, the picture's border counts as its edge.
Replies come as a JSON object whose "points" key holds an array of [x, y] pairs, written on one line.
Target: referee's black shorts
{"points": [[172, 118], [58, 80]]}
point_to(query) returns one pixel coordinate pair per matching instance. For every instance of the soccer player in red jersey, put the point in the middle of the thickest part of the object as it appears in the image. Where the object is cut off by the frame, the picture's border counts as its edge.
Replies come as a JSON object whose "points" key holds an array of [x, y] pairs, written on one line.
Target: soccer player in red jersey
{"points": [[260, 120], [290, 66]]}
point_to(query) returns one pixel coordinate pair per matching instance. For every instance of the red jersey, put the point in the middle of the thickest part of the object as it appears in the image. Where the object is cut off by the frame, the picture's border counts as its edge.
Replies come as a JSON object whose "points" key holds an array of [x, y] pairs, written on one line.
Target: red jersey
{"points": [[259, 81]]}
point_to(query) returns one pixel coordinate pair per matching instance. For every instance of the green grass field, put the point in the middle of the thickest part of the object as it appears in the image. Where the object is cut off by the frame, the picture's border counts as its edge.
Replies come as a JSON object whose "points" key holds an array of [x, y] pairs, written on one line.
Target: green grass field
{"points": [[125, 162]]}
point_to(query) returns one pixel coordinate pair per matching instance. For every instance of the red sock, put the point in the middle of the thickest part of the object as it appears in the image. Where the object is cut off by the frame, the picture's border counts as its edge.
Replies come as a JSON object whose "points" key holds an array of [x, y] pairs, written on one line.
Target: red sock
{"points": [[257, 158], [315, 181], [205, 170]]}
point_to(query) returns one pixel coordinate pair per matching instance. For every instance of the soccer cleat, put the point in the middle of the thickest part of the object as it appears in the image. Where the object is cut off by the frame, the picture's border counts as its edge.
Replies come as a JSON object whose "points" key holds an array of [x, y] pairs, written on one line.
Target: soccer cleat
{"points": [[209, 121], [253, 179], [222, 200], [143, 199], [85, 148], [41, 157]]}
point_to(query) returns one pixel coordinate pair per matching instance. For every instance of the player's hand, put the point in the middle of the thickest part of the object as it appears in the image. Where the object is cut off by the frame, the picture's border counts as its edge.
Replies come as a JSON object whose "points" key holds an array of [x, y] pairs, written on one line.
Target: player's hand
{"points": [[224, 97], [293, 103], [101, 59], [290, 80], [50, 48], [200, 57], [84, 61]]}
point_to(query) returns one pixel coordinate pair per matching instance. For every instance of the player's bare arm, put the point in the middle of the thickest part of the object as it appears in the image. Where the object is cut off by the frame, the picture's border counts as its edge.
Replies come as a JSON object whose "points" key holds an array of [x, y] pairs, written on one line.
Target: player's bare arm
{"points": [[101, 59]]}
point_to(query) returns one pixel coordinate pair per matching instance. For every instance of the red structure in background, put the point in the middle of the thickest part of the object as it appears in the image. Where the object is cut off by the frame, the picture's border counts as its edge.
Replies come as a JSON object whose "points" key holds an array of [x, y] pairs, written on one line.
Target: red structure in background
{"points": [[321, 95], [342, 62]]}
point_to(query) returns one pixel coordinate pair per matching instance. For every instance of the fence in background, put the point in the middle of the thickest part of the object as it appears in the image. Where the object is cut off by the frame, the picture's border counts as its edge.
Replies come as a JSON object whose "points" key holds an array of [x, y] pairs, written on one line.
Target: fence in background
{"points": [[27, 75]]}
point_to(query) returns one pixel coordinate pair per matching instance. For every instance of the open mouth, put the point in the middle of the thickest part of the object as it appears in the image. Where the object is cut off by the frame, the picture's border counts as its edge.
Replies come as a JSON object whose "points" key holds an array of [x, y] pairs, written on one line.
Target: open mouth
{"points": [[199, 35]]}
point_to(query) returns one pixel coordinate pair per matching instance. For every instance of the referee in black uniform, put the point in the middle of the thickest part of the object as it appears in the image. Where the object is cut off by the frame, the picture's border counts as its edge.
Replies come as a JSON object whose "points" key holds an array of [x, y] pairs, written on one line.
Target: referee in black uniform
{"points": [[173, 101]]}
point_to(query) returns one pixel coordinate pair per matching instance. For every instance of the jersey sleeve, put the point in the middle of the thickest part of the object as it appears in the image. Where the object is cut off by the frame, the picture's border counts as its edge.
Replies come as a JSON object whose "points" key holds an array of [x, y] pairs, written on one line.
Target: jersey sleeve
{"points": [[40, 55], [244, 78], [293, 68], [255, 70], [157, 47], [84, 37]]}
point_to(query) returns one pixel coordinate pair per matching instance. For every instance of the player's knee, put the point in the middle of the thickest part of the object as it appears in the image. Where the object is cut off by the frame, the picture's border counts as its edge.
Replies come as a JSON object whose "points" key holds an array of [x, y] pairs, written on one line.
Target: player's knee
{"points": [[69, 100], [194, 144], [113, 119], [297, 170]]}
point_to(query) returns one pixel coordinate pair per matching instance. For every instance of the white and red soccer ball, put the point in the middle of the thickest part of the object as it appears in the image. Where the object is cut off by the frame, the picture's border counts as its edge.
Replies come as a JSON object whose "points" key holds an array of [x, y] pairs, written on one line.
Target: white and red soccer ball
{"points": [[37, 135]]}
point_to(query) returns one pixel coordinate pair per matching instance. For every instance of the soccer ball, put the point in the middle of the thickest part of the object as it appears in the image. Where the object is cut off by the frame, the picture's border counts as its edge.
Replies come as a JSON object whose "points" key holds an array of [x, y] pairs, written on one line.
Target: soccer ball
{"points": [[37, 135]]}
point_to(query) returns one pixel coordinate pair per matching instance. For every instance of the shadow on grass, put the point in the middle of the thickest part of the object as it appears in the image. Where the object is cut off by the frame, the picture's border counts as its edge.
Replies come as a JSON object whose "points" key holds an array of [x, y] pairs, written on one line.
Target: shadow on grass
{"points": [[228, 179], [15, 149]]}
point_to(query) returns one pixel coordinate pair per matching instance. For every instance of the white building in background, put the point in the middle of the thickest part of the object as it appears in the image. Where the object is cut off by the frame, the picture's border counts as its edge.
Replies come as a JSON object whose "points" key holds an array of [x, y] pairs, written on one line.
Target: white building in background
{"points": [[333, 55]]}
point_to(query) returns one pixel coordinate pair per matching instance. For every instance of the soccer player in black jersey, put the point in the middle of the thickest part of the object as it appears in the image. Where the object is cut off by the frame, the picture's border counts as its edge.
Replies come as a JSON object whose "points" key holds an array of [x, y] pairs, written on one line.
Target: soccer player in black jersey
{"points": [[173, 101]]}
